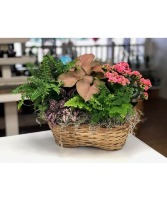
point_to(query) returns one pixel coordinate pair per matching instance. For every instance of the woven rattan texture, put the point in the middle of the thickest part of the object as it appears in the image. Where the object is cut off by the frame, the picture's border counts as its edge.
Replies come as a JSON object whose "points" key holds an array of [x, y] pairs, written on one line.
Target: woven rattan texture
{"points": [[103, 138]]}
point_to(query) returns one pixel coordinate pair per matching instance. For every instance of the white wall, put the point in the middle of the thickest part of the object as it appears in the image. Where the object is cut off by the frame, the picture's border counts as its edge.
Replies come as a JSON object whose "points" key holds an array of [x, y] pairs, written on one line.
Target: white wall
{"points": [[157, 48]]}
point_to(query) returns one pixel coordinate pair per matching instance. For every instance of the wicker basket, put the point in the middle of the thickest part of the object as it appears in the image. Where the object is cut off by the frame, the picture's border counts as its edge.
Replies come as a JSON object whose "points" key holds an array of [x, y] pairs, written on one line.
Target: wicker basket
{"points": [[104, 138]]}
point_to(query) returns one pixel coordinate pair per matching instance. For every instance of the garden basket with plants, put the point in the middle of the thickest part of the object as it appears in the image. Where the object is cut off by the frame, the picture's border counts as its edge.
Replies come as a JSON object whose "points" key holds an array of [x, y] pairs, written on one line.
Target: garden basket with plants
{"points": [[86, 103]]}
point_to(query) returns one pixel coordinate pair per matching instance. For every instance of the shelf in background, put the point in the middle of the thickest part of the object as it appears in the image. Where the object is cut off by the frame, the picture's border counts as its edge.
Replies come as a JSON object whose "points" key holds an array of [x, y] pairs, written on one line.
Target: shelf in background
{"points": [[10, 98], [17, 60], [155, 88], [13, 40], [16, 80]]}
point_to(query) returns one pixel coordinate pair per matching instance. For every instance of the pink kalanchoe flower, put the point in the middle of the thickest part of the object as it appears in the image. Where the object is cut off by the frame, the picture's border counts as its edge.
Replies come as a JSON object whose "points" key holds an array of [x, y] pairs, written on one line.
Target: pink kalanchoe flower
{"points": [[127, 72], [122, 68], [146, 88], [145, 95], [119, 68], [114, 77], [106, 66], [136, 73], [111, 77], [127, 81], [125, 64], [108, 74], [145, 82]]}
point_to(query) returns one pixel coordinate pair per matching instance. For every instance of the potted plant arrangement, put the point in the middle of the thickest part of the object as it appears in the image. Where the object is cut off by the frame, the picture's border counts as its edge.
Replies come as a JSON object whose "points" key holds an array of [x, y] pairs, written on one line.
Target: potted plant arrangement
{"points": [[86, 103]]}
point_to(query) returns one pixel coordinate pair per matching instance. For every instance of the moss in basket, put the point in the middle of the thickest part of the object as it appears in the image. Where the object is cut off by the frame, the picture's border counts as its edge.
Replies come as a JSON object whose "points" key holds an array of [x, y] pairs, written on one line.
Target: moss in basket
{"points": [[84, 91]]}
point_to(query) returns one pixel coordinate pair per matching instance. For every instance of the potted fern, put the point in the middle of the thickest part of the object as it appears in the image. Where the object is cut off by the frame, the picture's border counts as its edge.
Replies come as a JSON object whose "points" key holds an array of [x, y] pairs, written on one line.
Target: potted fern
{"points": [[85, 103]]}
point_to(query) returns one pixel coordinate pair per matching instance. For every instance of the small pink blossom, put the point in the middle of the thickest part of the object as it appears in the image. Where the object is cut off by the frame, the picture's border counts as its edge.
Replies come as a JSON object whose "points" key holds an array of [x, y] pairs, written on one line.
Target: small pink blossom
{"points": [[122, 74], [145, 82], [136, 73], [145, 95], [114, 77], [107, 66], [127, 72], [122, 68], [146, 88], [125, 64], [119, 68]]}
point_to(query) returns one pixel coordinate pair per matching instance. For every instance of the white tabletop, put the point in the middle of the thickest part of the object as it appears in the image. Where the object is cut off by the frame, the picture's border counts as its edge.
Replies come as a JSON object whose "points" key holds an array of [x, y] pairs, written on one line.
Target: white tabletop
{"points": [[41, 147]]}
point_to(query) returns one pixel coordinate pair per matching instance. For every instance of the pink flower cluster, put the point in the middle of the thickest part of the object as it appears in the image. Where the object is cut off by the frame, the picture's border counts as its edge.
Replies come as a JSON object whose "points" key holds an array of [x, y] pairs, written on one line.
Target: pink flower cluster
{"points": [[122, 68], [123, 75], [145, 84], [114, 77], [136, 73], [145, 95], [118, 73]]}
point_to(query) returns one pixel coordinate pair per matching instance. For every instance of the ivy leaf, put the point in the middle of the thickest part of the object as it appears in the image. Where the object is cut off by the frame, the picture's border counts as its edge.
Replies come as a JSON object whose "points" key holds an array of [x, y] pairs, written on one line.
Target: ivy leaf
{"points": [[85, 89]]}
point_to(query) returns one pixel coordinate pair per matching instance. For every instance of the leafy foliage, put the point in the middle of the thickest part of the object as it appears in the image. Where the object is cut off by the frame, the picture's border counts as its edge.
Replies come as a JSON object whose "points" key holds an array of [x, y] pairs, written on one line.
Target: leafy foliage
{"points": [[43, 84], [105, 104], [83, 91], [83, 76]]}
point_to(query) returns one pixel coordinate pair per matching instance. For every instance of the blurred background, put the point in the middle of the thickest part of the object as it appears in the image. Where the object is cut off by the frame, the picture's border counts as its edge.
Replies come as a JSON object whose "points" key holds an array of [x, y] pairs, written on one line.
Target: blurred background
{"points": [[146, 55]]}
